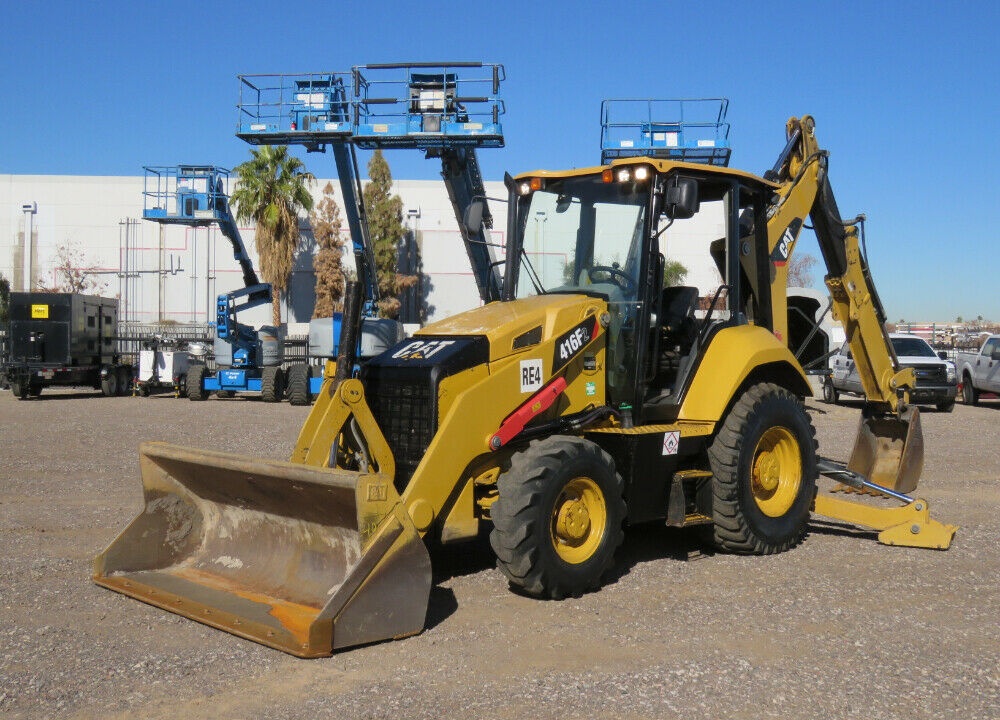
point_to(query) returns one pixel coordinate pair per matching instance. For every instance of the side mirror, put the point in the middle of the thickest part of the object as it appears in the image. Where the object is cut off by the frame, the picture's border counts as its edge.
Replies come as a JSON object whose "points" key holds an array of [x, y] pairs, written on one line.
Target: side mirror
{"points": [[942, 354], [473, 218], [680, 199]]}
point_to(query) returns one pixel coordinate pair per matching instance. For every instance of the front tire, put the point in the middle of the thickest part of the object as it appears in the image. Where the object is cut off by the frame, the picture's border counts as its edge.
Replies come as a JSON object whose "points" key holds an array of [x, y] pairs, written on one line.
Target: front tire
{"points": [[970, 396], [830, 394], [558, 519], [272, 384], [764, 465], [109, 384], [946, 406]]}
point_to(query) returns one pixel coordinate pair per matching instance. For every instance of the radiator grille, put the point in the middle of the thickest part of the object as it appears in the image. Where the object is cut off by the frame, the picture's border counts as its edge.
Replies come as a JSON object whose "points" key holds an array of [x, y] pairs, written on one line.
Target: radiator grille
{"points": [[405, 409], [930, 374]]}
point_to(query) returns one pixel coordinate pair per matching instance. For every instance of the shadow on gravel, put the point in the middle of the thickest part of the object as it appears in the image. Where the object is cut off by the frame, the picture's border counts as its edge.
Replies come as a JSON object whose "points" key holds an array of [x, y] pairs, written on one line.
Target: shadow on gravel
{"points": [[440, 606], [818, 526], [65, 396], [652, 542]]}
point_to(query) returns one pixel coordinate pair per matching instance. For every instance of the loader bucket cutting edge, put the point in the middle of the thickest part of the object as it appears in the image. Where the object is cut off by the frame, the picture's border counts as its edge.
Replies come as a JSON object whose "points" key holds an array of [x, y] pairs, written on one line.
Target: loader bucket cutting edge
{"points": [[303, 559], [889, 451]]}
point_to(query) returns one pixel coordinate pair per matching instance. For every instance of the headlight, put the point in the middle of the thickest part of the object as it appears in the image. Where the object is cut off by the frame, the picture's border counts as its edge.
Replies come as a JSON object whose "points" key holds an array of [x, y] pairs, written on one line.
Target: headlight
{"points": [[951, 375]]}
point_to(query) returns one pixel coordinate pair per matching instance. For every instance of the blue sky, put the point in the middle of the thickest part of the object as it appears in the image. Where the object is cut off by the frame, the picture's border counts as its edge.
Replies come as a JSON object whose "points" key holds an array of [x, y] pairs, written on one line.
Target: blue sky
{"points": [[905, 96]]}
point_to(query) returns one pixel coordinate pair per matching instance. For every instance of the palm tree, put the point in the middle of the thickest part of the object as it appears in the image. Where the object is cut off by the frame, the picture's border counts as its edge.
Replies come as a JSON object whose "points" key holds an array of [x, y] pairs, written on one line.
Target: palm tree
{"points": [[271, 188]]}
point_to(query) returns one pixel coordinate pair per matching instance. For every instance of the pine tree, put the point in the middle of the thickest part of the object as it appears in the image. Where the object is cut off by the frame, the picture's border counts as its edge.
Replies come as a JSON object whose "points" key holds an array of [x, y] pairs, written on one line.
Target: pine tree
{"points": [[385, 223], [328, 263]]}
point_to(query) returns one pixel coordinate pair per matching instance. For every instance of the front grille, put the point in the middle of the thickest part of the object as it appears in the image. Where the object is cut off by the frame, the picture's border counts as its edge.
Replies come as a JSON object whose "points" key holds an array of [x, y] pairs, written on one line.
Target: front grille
{"points": [[404, 406], [930, 374]]}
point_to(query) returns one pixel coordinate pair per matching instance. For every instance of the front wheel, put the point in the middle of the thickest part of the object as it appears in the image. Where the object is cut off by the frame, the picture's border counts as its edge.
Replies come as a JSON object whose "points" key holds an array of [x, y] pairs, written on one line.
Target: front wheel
{"points": [[970, 396], [764, 466], [946, 406], [830, 394], [109, 383], [272, 384], [558, 519]]}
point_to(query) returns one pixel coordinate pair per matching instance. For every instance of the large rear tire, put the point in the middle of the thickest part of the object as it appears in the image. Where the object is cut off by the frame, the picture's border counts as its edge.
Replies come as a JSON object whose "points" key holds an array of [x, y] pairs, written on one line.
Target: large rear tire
{"points": [[272, 384], [764, 463], [195, 383], [298, 385], [558, 519]]}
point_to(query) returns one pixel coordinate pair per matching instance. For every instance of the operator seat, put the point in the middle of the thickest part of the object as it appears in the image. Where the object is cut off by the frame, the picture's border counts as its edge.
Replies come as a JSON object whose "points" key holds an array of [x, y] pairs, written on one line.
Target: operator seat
{"points": [[678, 329]]}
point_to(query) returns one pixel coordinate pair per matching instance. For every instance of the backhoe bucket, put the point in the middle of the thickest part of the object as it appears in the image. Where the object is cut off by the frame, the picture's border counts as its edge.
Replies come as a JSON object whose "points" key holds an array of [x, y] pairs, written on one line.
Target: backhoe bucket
{"points": [[303, 559], [889, 451]]}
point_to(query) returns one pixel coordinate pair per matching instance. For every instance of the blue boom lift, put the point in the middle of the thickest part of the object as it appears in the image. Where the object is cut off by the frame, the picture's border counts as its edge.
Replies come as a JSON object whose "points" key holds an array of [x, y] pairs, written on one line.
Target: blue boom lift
{"points": [[194, 195], [686, 129], [445, 109]]}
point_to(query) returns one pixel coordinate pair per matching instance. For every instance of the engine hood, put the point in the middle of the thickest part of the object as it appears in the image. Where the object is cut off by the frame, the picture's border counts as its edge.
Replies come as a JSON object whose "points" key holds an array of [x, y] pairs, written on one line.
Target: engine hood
{"points": [[513, 326]]}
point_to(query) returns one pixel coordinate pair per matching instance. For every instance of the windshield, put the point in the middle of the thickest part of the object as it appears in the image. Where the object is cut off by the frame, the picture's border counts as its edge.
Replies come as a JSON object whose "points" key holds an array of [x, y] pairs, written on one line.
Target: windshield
{"points": [[582, 234], [912, 347]]}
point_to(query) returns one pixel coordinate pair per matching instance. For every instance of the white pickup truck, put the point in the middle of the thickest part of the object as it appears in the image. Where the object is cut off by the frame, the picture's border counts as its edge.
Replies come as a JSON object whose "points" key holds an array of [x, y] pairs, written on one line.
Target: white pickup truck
{"points": [[980, 372], [936, 377]]}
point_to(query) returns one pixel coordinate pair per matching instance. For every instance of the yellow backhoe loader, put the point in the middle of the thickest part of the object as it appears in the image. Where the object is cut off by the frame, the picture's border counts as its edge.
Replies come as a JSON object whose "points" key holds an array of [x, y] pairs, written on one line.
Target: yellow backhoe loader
{"points": [[588, 399]]}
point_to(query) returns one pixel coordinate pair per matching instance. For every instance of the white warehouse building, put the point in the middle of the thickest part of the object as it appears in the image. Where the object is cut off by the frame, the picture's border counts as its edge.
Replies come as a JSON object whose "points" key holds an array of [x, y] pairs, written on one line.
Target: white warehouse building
{"points": [[173, 273]]}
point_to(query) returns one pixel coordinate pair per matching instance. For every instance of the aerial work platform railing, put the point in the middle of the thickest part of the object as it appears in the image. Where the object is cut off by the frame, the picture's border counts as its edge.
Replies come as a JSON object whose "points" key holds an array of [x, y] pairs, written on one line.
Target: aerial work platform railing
{"points": [[688, 129], [448, 110]]}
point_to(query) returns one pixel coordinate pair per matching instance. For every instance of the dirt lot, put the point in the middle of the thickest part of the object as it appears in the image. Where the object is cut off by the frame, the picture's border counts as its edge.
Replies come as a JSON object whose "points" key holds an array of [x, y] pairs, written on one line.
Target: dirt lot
{"points": [[839, 627]]}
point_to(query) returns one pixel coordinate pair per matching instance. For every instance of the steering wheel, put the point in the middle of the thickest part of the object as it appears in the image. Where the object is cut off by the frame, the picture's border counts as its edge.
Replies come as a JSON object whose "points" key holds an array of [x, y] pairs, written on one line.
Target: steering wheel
{"points": [[614, 275]]}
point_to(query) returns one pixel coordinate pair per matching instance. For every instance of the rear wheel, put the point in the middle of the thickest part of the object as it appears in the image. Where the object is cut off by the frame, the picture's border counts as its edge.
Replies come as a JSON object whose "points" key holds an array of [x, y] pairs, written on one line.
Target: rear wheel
{"points": [[195, 383], [970, 396], [124, 380], [946, 406], [764, 463], [298, 385], [830, 394], [558, 519], [272, 384], [19, 389], [109, 383]]}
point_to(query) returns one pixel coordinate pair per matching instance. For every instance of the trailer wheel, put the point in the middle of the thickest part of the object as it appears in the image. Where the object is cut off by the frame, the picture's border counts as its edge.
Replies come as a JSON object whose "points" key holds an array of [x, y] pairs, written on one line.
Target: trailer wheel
{"points": [[195, 383], [558, 519], [298, 385], [272, 384], [830, 394], [109, 384], [764, 465], [970, 396]]}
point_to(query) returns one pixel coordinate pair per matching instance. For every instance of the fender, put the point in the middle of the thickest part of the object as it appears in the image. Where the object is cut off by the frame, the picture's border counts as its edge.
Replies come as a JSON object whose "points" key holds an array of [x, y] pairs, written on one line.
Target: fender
{"points": [[732, 355]]}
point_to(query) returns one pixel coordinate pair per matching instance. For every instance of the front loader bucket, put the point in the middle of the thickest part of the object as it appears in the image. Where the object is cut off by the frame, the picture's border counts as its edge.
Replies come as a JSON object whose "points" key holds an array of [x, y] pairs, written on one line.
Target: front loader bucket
{"points": [[889, 451], [303, 559]]}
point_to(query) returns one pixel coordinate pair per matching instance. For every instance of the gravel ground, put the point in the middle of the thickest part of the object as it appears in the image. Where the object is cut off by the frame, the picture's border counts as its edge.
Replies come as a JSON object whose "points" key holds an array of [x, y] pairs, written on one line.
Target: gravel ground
{"points": [[839, 627]]}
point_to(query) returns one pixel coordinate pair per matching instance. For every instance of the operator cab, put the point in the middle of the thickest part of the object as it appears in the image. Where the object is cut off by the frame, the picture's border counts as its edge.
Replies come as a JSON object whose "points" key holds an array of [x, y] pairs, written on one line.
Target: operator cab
{"points": [[609, 232]]}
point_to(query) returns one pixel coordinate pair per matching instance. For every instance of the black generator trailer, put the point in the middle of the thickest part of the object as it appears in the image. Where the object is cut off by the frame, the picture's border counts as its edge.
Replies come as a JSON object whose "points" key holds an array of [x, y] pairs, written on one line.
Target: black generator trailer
{"points": [[64, 339]]}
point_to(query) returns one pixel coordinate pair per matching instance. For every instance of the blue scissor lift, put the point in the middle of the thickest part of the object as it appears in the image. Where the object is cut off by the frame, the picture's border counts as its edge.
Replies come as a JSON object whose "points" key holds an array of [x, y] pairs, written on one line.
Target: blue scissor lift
{"points": [[446, 110], [688, 130], [195, 195]]}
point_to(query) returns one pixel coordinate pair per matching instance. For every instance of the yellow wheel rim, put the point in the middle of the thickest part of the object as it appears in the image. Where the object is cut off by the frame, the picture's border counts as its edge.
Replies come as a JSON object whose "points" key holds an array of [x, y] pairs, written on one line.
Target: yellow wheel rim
{"points": [[777, 472], [579, 517]]}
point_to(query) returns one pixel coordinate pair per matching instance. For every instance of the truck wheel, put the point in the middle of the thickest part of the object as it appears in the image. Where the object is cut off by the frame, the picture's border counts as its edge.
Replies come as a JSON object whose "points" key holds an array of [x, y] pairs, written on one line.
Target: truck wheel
{"points": [[298, 385], [946, 406], [558, 519], [272, 384], [195, 383], [764, 463], [109, 384], [830, 394], [19, 389], [35, 390], [970, 396], [124, 380]]}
